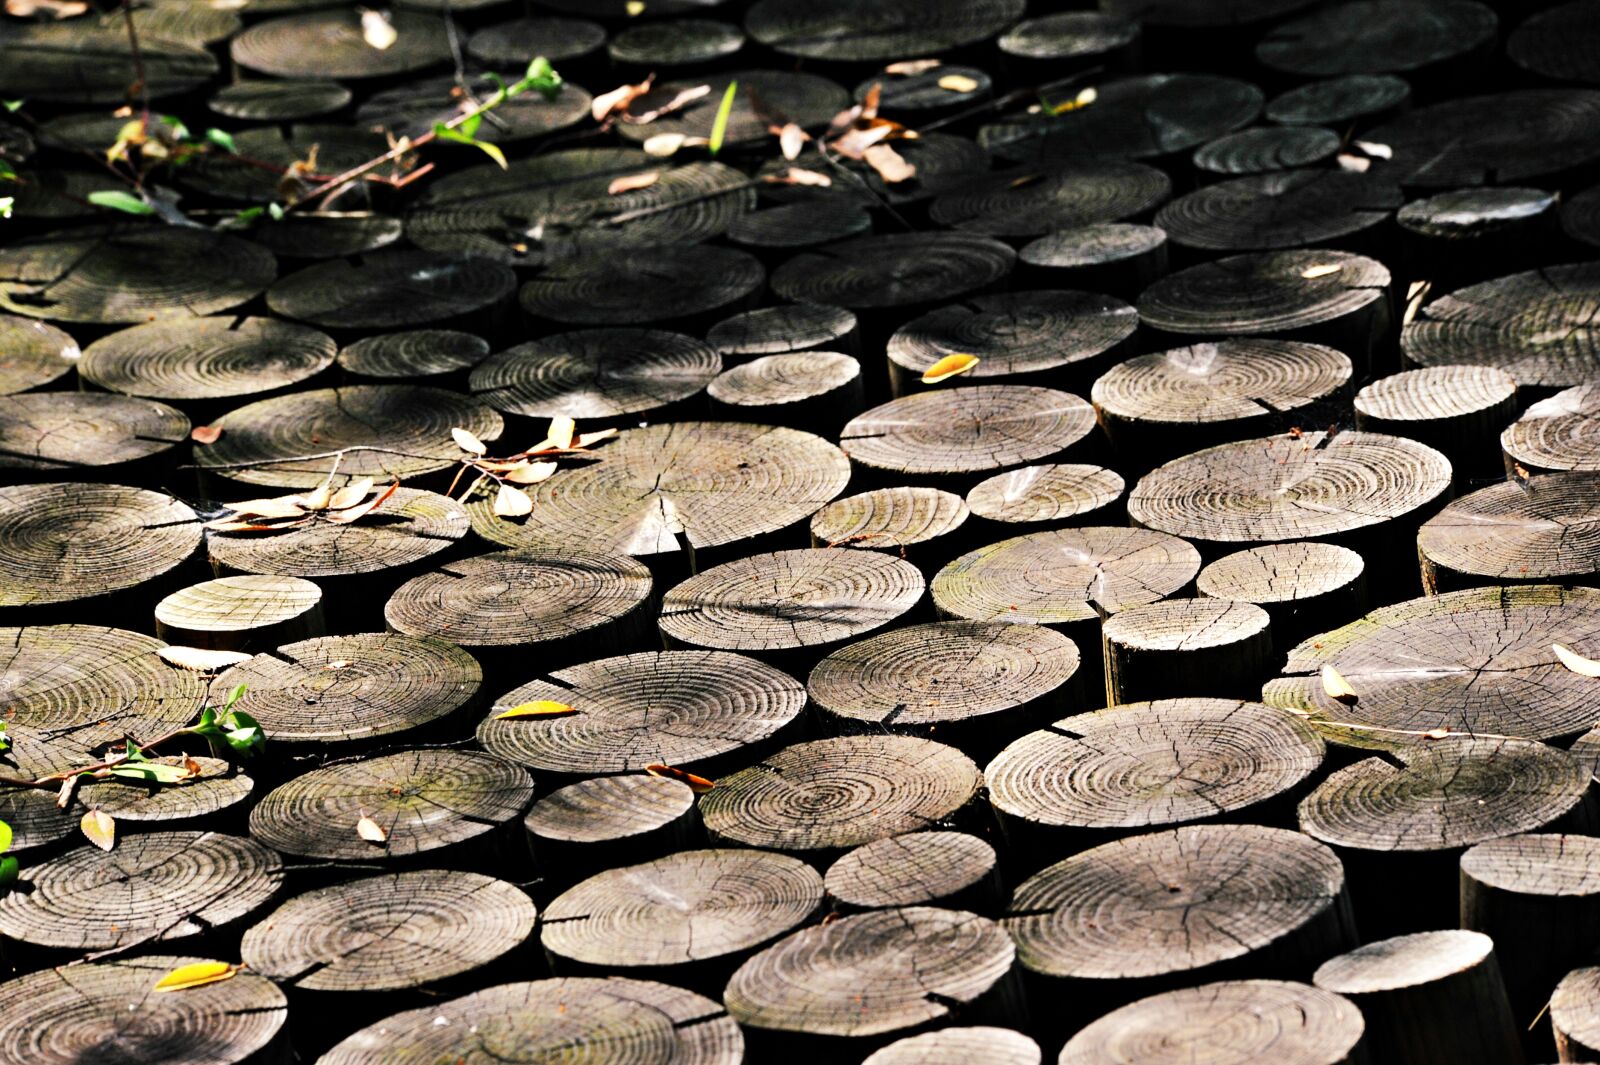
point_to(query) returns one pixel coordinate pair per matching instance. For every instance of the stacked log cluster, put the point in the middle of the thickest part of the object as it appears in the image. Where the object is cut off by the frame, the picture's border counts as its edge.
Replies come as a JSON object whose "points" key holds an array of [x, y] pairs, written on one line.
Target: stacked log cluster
{"points": [[1207, 673]]}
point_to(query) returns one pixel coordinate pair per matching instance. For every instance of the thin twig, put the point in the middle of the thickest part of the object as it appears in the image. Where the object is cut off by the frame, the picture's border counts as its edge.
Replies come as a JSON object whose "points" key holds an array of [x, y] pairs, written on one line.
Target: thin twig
{"points": [[339, 454], [138, 62]]}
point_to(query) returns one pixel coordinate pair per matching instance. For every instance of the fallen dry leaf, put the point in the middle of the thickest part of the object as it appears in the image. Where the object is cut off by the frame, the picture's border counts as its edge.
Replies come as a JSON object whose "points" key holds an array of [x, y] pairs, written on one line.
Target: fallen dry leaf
{"points": [[791, 138], [539, 708], [1083, 99], [618, 99], [958, 83], [800, 176], [276, 507], [949, 366], [561, 430], [1355, 164], [632, 182], [853, 143], [1436, 733], [531, 473], [345, 517], [586, 439], [196, 974], [512, 502], [681, 100], [870, 102], [699, 785], [376, 29], [664, 144], [908, 67], [466, 441], [205, 434], [316, 499], [350, 494], [1415, 297], [1580, 665], [200, 659], [890, 164], [1377, 151], [370, 830], [56, 9], [1336, 687], [1320, 270], [100, 829]]}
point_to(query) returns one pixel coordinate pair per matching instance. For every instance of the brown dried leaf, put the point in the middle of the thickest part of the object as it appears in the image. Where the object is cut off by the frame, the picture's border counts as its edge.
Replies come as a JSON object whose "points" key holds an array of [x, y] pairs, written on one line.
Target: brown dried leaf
{"points": [[201, 659], [370, 830], [1336, 687], [618, 99], [468, 442], [230, 525], [56, 9], [791, 138], [853, 143], [205, 434], [512, 502], [350, 494], [1584, 667], [99, 828], [531, 473], [908, 67], [632, 182], [684, 98], [870, 102], [698, 784], [799, 176], [958, 83], [345, 517], [890, 164], [377, 30], [949, 366]]}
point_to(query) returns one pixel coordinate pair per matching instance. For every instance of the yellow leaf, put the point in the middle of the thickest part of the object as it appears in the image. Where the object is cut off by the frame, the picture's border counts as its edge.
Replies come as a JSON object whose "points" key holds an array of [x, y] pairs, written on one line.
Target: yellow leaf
{"points": [[1320, 270], [958, 83], [699, 785], [949, 366], [632, 182], [1336, 687], [370, 830], [539, 708], [531, 473], [1083, 99], [512, 502], [201, 659], [196, 974], [100, 829], [350, 494], [561, 430], [1586, 667], [634, 8], [376, 29], [467, 442]]}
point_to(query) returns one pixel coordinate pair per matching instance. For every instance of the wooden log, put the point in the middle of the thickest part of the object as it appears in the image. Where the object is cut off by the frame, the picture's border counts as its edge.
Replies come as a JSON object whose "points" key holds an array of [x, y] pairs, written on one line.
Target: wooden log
{"points": [[597, 375], [1266, 149], [855, 35], [71, 63], [262, 442], [571, 602], [1535, 136], [1186, 647], [802, 224], [1117, 258], [661, 284], [1284, 209], [61, 543], [1547, 43], [826, 796], [33, 355], [31, 813], [783, 329], [1553, 434], [1239, 1020], [107, 1004], [1067, 42], [812, 390], [1349, 101], [790, 606], [1430, 998], [352, 690], [507, 45], [697, 43], [950, 869], [808, 100], [694, 916], [922, 525], [700, 710], [430, 803], [330, 44], [304, 238], [226, 176], [610, 1022], [952, 438], [960, 1046], [1429, 40], [392, 289], [1476, 661], [1537, 897], [605, 822], [153, 888], [1041, 496], [413, 108], [1574, 1013], [1457, 238], [108, 275], [1032, 201], [237, 613], [1034, 338], [1306, 587], [1157, 407], [1530, 325], [1514, 533], [1409, 820], [1126, 919], [800, 999], [1456, 409], [971, 684], [437, 357], [52, 434], [265, 100], [1145, 765], [1325, 297]]}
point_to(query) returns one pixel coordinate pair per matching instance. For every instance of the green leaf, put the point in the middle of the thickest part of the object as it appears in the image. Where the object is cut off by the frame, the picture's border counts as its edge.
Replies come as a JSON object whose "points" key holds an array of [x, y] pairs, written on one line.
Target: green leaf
{"points": [[117, 200], [11, 105], [133, 754], [445, 133], [245, 734], [235, 695], [470, 125], [249, 214], [179, 130], [156, 772], [5, 836], [540, 76], [222, 139], [719, 127], [5, 205], [9, 868], [6, 172], [276, 211], [5, 745]]}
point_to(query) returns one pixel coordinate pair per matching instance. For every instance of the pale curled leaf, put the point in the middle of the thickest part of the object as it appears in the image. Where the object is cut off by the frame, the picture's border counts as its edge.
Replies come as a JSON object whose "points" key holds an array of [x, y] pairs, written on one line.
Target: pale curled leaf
{"points": [[377, 30], [618, 99], [791, 138], [231, 525], [316, 499], [799, 176], [664, 144], [531, 473], [276, 507], [853, 143], [561, 430], [1374, 149], [56, 9], [99, 828], [1336, 687], [587, 439], [949, 366], [1436, 734], [370, 830], [1355, 164], [201, 659], [632, 182], [539, 708], [1586, 667], [889, 164], [512, 502], [1311, 273], [466, 441], [683, 98], [196, 974], [909, 67], [350, 494], [345, 517], [958, 83]]}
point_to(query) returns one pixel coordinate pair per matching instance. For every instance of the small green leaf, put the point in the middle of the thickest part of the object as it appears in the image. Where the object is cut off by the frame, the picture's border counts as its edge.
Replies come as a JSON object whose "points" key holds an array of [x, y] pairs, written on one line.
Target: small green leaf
{"points": [[133, 754], [222, 139], [6, 172], [156, 772], [276, 211], [5, 744], [11, 105], [719, 127], [117, 200], [249, 214], [540, 76], [235, 695], [445, 133], [470, 125], [5, 836], [5, 205], [9, 868], [179, 130]]}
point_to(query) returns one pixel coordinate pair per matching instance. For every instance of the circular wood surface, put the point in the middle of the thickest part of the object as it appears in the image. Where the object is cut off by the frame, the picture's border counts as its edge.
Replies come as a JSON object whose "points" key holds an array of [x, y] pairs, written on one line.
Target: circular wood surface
{"points": [[279, 101], [508, 44], [1536, 135], [960, 1046], [206, 358], [68, 431], [1049, 493], [65, 63], [1263, 293], [913, 869], [1043, 200], [1545, 530], [603, 809], [391, 289], [888, 519], [894, 270], [596, 373], [1265, 149], [33, 354], [967, 430], [1337, 101], [1550, 42], [781, 329], [1368, 37], [1280, 573], [330, 44], [1286, 209], [844, 32], [1556, 433], [648, 284], [415, 353]]}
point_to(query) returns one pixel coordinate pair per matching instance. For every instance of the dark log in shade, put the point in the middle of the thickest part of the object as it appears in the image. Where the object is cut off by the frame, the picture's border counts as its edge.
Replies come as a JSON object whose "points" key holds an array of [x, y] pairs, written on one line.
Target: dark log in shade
{"points": [[829, 795], [816, 982], [1047, 495], [790, 601], [1433, 998], [648, 493], [389, 932], [1538, 898], [1508, 138], [258, 438], [350, 689], [86, 433], [960, 1046], [951, 869], [216, 786], [642, 285], [1118, 920], [1475, 661], [913, 522], [425, 801], [569, 601], [329, 44], [1214, 1024], [229, 177], [597, 374], [1266, 149], [682, 708], [233, 613], [413, 108], [187, 359], [1554, 434], [689, 42], [697, 911], [415, 355], [967, 683], [1550, 42], [1305, 587], [1042, 338], [154, 887], [1131, 118], [1370, 37], [842, 32], [1348, 100], [1144, 765], [1033, 201], [605, 822], [392, 289], [1532, 325], [107, 1006], [1196, 15], [63, 542], [279, 101], [917, 98], [1286, 209], [1065, 41], [1183, 647], [1514, 533], [895, 270], [307, 236], [1575, 1014], [1467, 235], [507, 45], [783, 329], [818, 390], [70, 63], [33, 354], [1159, 406], [802, 224], [1458, 409], [1117, 258], [104, 276], [615, 1021]]}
